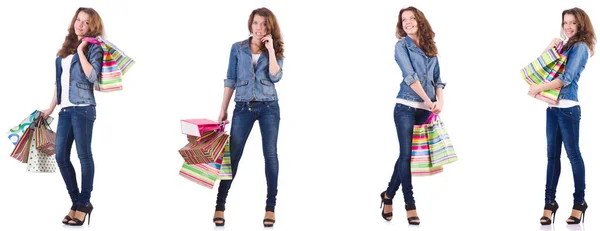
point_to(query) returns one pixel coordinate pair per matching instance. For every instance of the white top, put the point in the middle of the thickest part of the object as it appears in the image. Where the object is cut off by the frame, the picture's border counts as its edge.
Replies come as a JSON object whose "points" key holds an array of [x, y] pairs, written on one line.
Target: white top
{"points": [[255, 59], [413, 104], [564, 103], [64, 82]]}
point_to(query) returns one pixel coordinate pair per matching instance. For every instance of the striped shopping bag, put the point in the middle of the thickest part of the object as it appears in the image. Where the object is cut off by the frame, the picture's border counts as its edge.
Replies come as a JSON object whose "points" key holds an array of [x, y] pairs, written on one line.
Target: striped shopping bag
{"points": [[206, 174], [207, 151], [45, 138], [545, 69], [441, 150], [114, 65], [420, 160]]}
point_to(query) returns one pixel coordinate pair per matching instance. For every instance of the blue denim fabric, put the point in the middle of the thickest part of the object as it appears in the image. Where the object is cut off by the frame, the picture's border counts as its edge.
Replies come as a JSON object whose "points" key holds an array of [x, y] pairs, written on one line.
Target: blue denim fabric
{"points": [[244, 116], [415, 65], [251, 84], [577, 57], [76, 124], [81, 87], [562, 127], [405, 118]]}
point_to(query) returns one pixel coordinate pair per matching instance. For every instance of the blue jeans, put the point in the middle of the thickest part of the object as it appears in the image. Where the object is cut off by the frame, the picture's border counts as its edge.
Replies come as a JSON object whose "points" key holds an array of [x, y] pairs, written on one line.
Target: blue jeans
{"points": [[562, 127], [405, 118], [244, 116], [76, 124]]}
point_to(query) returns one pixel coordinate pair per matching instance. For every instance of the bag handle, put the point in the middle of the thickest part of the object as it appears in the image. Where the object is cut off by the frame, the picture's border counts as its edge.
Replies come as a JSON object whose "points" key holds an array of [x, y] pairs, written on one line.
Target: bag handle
{"points": [[559, 48], [91, 40], [432, 117]]}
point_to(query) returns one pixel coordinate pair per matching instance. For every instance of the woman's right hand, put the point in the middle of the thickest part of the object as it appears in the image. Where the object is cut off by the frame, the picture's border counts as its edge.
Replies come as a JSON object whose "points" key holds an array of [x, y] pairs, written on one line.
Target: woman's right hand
{"points": [[47, 112], [223, 117], [554, 43], [429, 104]]}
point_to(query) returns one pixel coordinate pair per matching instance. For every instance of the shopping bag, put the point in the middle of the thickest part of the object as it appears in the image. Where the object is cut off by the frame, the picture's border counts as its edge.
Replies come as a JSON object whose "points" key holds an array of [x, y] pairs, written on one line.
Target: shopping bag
{"points": [[45, 138], [114, 65], [205, 152], [206, 174], [15, 133], [200, 127], [545, 69], [38, 162], [420, 160], [23, 146], [441, 150]]}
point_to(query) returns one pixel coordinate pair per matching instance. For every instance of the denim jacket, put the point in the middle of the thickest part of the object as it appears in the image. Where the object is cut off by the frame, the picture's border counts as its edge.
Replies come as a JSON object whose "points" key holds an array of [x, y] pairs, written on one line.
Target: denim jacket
{"points": [[251, 84], [577, 57], [81, 87], [416, 65]]}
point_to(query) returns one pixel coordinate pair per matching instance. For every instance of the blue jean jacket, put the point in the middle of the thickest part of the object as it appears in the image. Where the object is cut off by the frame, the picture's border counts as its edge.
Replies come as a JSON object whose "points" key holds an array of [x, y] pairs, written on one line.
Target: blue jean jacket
{"points": [[416, 65], [81, 87], [251, 84], [577, 57]]}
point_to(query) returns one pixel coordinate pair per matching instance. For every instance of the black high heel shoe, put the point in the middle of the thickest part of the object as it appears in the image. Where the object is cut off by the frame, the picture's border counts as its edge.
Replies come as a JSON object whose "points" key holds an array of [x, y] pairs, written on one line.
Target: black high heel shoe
{"points": [[412, 220], [581, 208], [67, 217], [552, 207], [269, 209], [385, 202], [219, 208], [87, 209]]}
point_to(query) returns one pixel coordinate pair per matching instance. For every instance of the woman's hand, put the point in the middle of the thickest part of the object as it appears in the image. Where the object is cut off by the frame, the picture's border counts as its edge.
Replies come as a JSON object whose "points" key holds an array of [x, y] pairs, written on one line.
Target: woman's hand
{"points": [[534, 89], [82, 45], [268, 40], [223, 117], [47, 112], [437, 107]]}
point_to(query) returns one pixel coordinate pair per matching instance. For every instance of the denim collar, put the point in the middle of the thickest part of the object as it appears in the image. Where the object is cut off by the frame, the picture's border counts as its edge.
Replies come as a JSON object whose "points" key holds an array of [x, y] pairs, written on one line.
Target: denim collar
{"points": [[410, 44], [245, 46]]}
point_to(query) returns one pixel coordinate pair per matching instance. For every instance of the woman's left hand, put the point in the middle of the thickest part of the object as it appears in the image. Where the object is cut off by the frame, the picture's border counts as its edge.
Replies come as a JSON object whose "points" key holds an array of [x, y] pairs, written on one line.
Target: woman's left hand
{"points": [[268, 40], [437, 107], [82, 45], [534, 89]]}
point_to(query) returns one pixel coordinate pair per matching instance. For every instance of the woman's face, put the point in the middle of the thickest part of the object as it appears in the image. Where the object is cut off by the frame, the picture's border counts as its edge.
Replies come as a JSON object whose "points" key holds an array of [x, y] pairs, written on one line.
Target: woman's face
{"points": [[570, 25], [409, 23], [81, 25], [259, 26]]}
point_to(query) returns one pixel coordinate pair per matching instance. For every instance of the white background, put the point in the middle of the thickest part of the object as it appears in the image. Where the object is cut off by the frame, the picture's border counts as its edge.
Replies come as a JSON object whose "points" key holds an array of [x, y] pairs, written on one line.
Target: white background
{"points": [[337, 141]]}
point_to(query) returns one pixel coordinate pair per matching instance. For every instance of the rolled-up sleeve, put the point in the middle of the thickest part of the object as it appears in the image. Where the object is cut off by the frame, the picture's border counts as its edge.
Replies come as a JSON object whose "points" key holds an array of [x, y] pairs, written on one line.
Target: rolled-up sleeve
{"points": [[232, 68], [95, 53], [436, 75], [275, 78], [403, 60], [576, 61]]}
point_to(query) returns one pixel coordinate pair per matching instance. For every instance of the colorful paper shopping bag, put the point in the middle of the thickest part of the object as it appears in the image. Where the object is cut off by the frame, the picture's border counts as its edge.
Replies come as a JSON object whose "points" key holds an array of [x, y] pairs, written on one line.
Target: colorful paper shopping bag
{"points": [[545, 69], [199, 127], [23, 146], [114, 65], [203, 174], [441, 150], [38, 162], [420, 160], [45, 138]]}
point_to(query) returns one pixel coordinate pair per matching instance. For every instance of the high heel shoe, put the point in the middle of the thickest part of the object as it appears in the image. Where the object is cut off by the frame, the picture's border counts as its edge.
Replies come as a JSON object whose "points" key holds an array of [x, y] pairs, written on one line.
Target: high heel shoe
{"points": [[385, 202], [215, 219], [272, 221], [581, 208], [67, 217], [412, 220], [552, 207], [87, 209]]}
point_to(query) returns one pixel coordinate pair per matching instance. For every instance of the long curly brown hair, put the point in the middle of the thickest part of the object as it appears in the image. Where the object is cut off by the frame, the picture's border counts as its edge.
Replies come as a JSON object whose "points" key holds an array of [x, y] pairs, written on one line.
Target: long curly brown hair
{"points": [[272, 28], [424, 32], [71, 41], [585, 30]]}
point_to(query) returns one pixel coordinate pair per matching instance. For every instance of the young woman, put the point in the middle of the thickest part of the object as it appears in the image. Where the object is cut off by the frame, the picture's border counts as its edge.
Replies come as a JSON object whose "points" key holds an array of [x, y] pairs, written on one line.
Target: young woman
{"points": [[420, 95], [562, 119], [78, 66], [254, 67]]}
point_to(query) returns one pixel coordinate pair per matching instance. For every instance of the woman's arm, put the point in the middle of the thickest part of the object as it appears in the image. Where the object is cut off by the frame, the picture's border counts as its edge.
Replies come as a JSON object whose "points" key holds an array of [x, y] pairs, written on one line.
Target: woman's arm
{"points": [[50, 109], [91, 68]]}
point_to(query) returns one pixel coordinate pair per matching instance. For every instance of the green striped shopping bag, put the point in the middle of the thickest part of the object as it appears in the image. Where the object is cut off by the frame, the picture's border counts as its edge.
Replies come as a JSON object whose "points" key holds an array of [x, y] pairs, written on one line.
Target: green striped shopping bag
{"points": [[545, 69]]}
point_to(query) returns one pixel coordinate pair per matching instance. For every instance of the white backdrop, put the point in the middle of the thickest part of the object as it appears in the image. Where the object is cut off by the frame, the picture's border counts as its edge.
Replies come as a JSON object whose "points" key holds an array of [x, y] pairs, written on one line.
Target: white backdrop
{"points": [[337, 143]]}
